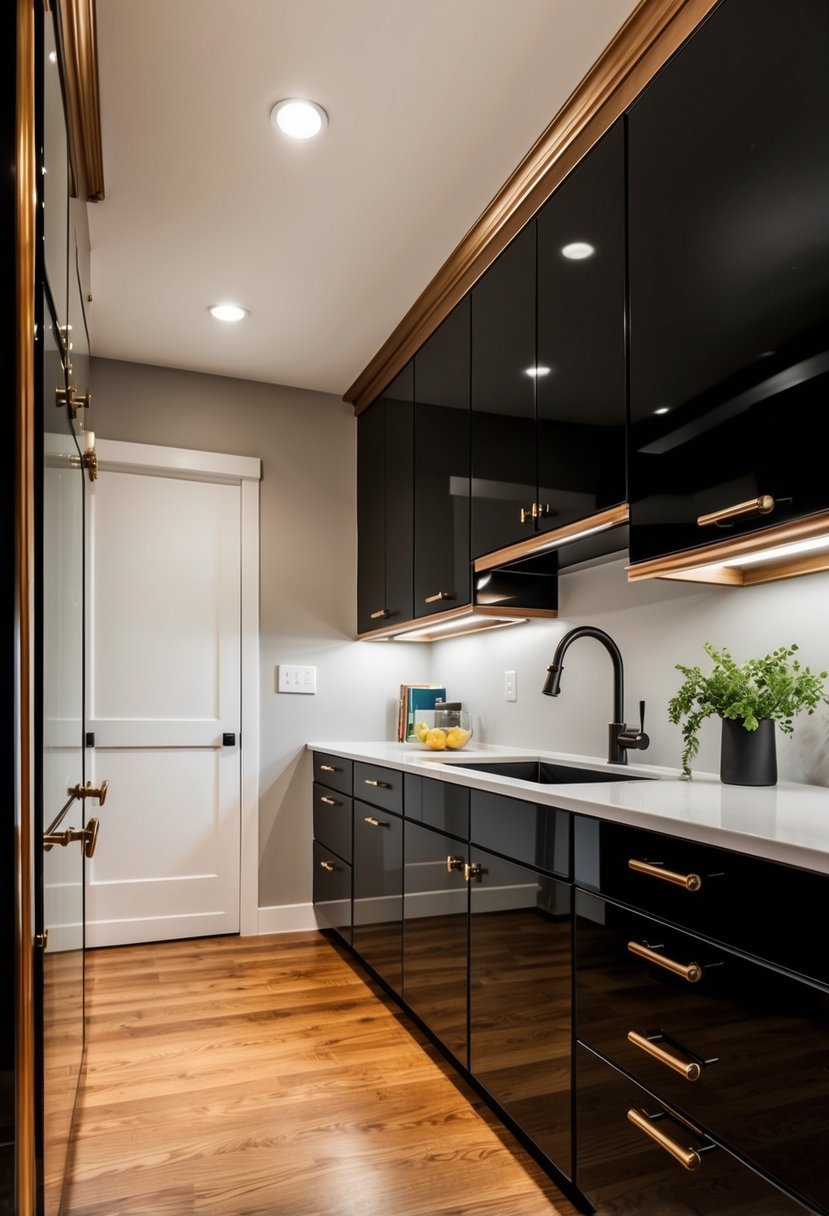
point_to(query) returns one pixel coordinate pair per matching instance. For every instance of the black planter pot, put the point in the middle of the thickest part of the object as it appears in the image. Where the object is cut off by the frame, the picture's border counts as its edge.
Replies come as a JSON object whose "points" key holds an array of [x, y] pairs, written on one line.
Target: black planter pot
{"points": [[748, 757]]}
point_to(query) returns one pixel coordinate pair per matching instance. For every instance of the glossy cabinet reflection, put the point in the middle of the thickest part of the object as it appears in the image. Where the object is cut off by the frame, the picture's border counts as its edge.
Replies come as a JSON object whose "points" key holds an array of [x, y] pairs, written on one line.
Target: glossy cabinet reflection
{"points": [[55, 181], [377, 932], [441, 485], [729, 277], [385, 438]]}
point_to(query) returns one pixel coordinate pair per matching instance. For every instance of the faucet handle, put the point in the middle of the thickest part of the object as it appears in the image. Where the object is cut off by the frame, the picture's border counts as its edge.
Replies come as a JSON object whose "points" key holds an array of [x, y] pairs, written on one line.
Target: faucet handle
{"points": [[632, 737]]}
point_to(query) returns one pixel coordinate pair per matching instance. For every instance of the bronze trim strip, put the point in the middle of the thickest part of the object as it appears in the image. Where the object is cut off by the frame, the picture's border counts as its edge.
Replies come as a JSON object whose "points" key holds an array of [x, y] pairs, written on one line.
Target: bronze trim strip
{"points": [[79, 58], [451, 614], [652, 33], [553, 539], [687, 565], [25, 218]]}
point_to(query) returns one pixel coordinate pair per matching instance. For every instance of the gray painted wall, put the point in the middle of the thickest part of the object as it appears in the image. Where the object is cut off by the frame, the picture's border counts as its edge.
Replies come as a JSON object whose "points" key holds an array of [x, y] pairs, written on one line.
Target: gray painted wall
{"points": [[307, 444]]}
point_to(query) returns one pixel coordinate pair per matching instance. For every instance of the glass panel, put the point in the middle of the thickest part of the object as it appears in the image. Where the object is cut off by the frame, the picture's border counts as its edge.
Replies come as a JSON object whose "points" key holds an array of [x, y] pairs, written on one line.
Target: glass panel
{"points": [[62, 609], [55, 184]]}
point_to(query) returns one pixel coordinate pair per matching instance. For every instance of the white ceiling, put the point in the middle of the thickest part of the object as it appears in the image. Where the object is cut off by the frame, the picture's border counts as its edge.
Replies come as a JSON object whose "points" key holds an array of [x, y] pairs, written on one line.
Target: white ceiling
{"points": [[431, 104]]}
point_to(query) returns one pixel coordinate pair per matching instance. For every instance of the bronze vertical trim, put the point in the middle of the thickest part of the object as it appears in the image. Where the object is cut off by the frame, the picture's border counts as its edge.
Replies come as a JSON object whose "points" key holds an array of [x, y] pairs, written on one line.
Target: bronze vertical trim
{"points": [[24, 573], [79, 59], [652, 33]]}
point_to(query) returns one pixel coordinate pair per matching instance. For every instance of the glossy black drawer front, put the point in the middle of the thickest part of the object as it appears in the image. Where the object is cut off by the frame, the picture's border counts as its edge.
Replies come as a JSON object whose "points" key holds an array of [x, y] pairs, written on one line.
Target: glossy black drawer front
{"points": [[535, 835], [378, 891], [380, 786], [762, 907], [438, 804], [332, 891], [332, 820], [519, 997], [741, 1048], [333, 771], [435, 917], [623, 1172]]}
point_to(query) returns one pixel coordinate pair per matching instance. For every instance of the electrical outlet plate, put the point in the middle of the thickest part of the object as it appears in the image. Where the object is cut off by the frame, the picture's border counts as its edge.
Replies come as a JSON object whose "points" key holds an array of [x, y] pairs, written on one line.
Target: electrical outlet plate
{"points": [[296, 679], [510, 686]]}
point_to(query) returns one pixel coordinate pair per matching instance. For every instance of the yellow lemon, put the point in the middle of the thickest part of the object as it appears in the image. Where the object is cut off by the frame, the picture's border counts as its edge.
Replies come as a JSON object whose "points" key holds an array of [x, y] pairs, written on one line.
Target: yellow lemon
{"points": [[457, 737], [421, 730], [436, 739]]}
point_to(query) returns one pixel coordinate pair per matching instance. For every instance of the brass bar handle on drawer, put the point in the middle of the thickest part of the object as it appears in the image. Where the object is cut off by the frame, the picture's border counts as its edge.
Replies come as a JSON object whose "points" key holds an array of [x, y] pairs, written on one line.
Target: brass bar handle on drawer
{"points": [[327, 865], [329, 801], [761, 505], [688, 1158], [441, 595], [375, 823], [380, 785], [692, 972], [691, 882], [528, 514], [382, 614], [329, 768], [689, 1070]]}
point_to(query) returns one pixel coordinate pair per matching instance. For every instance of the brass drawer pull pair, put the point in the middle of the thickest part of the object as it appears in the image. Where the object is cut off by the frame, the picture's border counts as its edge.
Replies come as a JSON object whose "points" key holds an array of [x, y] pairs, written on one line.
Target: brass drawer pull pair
{"points": [[691, 882], [688, 1158], [380, 785], [692, 972]]}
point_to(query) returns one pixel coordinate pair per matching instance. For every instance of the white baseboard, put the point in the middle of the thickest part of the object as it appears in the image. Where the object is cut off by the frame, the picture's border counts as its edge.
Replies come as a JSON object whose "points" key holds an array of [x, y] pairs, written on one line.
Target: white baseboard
{"points": [[287, 918]]}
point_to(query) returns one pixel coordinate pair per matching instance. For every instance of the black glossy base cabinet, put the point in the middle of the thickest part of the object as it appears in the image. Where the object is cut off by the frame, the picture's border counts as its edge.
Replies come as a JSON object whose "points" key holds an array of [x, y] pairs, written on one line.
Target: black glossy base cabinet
{"points": [[663, 1050]]}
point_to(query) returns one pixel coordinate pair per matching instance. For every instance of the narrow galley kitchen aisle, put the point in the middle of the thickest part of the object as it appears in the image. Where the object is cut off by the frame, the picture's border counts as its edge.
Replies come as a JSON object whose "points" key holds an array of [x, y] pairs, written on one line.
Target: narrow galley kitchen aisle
{"points": [[266, 1076]]}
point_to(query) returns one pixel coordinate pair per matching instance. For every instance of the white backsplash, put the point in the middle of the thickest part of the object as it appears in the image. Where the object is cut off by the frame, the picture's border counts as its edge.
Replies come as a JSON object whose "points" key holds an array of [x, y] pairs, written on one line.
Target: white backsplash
{"points": [[656, 625]]}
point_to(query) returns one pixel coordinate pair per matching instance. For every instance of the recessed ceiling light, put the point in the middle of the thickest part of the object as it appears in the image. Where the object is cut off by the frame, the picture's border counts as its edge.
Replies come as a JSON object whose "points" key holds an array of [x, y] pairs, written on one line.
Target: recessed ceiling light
{"points": [[576, 251], [540, 370], [227, 312], [299, 119]]}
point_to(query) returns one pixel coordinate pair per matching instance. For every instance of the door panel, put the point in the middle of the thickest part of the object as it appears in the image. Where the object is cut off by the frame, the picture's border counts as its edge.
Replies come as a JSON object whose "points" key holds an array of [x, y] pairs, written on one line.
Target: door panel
{"points": [[164, 684]]}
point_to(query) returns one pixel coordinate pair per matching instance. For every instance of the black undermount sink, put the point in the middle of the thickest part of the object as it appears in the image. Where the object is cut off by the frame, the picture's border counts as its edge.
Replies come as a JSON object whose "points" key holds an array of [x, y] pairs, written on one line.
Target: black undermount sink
{"points": [[546, 772]]}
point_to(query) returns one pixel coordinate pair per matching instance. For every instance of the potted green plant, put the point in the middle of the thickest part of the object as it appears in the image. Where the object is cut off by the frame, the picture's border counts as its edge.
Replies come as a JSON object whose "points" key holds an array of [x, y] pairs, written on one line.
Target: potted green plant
{"points": [[749, 698]]}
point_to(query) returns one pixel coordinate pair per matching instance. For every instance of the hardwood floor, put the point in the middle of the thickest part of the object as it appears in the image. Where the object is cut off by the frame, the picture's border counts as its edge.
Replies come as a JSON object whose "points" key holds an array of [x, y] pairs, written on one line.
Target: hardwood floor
{"points": [[241, 1076]]}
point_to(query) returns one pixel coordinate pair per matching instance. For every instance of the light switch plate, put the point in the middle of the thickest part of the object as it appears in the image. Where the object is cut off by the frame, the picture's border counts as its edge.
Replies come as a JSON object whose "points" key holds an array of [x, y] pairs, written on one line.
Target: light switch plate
{"points": [[510, 686], [296, 679]]}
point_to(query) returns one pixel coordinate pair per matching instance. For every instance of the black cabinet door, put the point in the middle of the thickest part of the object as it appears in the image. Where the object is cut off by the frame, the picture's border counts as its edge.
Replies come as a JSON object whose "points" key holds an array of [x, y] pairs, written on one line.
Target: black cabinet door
{"points": [[504, 457], [377, 932], [441, 486], [580, 380], [729, 276], [435, 920], [332, 891], [385, 441], [519, 998]]}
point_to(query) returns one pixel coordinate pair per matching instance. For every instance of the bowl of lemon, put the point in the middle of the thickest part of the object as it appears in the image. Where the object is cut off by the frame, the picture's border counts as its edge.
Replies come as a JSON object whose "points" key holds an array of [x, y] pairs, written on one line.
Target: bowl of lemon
{"points": [[442, 730]]}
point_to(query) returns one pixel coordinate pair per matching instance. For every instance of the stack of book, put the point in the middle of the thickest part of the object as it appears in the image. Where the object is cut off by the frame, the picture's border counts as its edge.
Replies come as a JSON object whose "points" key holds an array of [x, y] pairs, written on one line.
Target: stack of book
{"points": [[415, 698]]}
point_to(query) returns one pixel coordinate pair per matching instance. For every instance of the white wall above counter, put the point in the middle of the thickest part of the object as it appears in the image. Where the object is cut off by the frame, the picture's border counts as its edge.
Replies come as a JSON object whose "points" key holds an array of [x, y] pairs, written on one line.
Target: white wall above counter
{"points": [[788, 823]]}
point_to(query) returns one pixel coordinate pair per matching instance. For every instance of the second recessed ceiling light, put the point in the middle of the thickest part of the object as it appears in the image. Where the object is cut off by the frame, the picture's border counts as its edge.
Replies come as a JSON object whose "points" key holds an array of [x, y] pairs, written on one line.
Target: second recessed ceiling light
{"points": [[298, 118]]}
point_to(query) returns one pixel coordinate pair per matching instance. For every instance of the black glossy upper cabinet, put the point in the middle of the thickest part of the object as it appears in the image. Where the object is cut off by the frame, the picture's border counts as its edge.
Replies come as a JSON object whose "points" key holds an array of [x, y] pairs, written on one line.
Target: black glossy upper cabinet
{"points": [[548, 362], [580, 375], [441, 467], [504, 459], [729, 278], [385, 439]]}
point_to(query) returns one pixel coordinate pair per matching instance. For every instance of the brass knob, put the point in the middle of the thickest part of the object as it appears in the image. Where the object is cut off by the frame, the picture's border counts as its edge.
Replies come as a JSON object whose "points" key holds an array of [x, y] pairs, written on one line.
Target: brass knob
{"points": [[454, 863], [88, 791], [473, 871]]}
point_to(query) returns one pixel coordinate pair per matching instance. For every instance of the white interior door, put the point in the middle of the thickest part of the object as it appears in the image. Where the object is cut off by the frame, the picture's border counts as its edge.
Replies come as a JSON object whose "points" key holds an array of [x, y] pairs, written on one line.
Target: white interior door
{"points": [[164, 683]]}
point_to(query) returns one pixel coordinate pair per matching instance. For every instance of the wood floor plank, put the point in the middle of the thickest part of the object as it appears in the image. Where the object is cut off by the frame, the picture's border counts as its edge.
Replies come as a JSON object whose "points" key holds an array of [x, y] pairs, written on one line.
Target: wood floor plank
{"points": [[270, 1077]]}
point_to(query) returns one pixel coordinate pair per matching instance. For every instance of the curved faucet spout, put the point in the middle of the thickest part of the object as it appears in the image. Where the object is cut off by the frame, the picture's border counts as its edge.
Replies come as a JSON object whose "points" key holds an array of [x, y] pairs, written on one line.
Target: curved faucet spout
{"points": [[552, 685]]}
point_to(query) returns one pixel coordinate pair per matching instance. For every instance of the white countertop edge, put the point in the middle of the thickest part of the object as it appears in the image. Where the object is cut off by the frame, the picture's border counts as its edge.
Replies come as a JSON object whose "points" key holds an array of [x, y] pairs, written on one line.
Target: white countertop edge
{"points": [[787, 823]]}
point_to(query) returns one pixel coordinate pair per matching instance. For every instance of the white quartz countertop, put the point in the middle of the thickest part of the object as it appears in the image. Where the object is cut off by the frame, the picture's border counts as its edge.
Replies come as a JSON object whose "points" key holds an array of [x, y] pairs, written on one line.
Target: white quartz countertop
{"points": [[787, 823]]}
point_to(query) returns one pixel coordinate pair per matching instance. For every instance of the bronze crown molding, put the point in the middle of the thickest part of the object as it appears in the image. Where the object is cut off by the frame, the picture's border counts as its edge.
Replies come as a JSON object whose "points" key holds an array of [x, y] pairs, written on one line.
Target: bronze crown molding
{"points": [[652, 33], [77, 25]]}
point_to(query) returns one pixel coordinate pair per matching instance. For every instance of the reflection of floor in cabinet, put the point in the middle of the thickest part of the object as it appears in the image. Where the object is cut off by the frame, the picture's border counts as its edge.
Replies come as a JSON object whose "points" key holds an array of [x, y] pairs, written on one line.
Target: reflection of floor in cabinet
{"points": [[62, 1051], [234, 1076]]}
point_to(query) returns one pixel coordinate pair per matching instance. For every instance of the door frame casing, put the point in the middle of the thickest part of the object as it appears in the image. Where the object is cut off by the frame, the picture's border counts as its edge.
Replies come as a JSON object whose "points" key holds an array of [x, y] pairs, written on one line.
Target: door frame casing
{"points": [[245, 471]]}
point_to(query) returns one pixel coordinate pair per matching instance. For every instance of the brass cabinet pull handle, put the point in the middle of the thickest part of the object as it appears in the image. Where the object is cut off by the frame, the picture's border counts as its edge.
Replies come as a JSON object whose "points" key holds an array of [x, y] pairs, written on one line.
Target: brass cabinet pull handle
{"points": [[329, 801], [375, 823], [688, 1158], [88, 836], [380, 785], [528, 514], [454, 863], [382, 614], [329, 768], [327, 865], [761, 505], [689, 1070], [691, 882], [692, 972], [473, 870], [441, 595]]}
